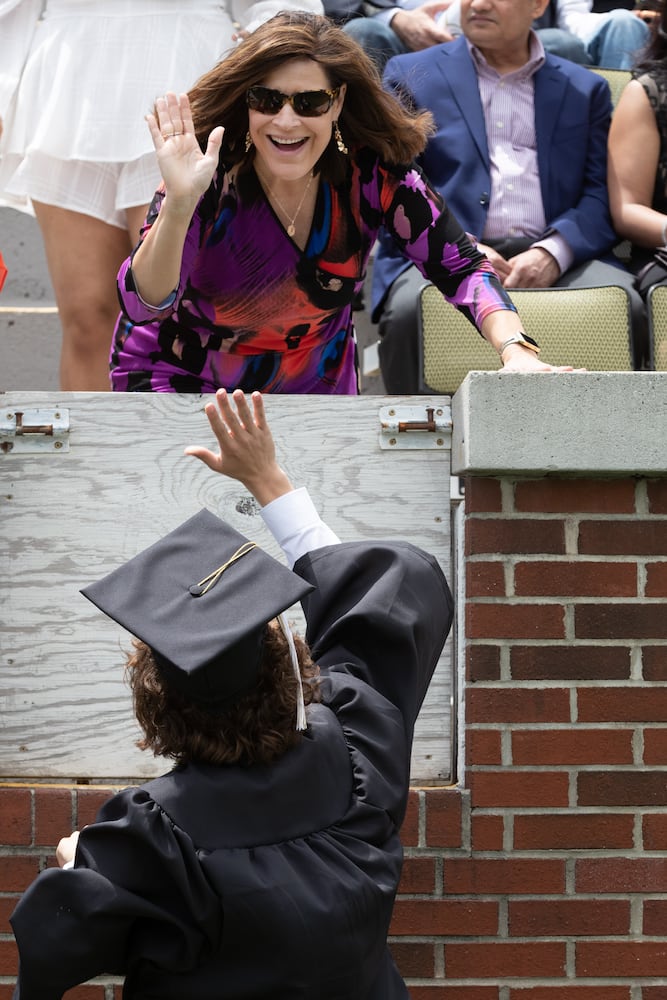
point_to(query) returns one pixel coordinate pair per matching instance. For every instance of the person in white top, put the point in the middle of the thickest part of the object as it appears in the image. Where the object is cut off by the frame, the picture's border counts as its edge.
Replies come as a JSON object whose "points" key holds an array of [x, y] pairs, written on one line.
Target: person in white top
{"points": [[612, 38]]}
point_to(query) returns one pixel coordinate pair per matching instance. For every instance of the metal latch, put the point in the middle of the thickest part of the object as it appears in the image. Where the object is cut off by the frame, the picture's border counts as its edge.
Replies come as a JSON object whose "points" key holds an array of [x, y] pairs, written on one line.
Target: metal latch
{"points": [[415, 426], [28, 432]]}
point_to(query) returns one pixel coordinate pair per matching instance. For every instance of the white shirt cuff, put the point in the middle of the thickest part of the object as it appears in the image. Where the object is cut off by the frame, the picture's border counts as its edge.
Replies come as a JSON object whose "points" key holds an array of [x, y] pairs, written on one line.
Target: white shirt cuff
{"points": [[295, 524]]}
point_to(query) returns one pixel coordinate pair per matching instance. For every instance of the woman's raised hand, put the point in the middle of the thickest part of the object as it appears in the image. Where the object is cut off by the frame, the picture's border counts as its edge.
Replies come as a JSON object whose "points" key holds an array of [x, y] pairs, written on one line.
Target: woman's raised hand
{"points": [[186, 171]]}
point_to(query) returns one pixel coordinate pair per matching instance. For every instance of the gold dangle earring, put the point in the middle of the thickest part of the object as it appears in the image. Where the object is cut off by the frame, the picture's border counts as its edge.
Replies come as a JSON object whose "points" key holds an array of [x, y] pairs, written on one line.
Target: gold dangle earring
{"points": [[342, 148], [248, 141]]}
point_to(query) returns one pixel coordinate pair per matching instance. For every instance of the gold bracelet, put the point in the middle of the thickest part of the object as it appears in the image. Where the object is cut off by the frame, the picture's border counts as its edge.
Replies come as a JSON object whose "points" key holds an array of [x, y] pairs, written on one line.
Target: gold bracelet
{"points": [[519, 338]]}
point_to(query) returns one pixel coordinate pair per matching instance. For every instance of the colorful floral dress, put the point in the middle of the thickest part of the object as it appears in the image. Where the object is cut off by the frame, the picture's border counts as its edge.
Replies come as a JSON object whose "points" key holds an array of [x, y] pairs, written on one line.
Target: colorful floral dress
{"points": [[254, 311]]}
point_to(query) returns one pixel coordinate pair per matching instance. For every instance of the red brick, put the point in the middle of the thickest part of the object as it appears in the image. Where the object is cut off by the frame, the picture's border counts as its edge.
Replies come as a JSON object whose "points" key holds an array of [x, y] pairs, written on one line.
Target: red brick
{"points": [[591, 496], [515, 621], [514, 536], [620, 876], [453, 992], [53, 814], [655, 917], [9, 958], [517, 705], [520, 789], [655, 746], [483, 747], [569, 917], [485, 579], [623, 538], [657, 501], [444, 817], [622, 788], [622, 704], [656, 579], [7, 904], [487, 832], [86, 992], [616, 959], [410, 827], [482, 662], [654, 660], [654, 831], [444, 917], [620, 621], [418, 876], [498, 960], [569, 663], [654, 992], [16, 816], [482, 495], [17, 872], [575, 579], [576, 746], [414, 960], [568, 831], [574, 992], [88, 803], [491, 876]]}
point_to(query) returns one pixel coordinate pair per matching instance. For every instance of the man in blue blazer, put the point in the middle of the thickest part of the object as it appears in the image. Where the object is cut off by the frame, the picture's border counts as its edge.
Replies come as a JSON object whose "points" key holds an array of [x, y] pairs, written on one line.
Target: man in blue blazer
{"points": [[520, 156]]}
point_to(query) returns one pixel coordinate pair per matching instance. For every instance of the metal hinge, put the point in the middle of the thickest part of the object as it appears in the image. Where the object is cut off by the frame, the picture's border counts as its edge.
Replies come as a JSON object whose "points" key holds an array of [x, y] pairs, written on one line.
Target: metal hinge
{"points": [[27, 432], [414, 427]]}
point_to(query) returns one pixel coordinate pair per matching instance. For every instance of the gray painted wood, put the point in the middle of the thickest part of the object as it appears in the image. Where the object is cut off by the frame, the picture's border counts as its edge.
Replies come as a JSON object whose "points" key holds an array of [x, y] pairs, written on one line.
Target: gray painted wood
{"points": [[69, 518]]}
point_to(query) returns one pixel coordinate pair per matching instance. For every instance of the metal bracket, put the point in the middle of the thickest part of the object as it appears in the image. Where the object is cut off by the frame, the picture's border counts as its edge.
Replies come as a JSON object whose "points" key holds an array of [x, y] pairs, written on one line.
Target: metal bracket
{"points": [[29, 432], [406, 427]]}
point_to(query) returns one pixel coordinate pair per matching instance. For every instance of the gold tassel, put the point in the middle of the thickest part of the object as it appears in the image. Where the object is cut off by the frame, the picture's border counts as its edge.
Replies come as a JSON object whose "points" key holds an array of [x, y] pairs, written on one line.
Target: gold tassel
{"points": [[248, 142]]}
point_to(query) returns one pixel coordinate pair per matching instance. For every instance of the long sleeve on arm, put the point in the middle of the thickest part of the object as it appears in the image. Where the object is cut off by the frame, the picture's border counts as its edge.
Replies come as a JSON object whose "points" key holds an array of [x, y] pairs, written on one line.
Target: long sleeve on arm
{"points": [[295, 524], [136, 894], [381, 611]]}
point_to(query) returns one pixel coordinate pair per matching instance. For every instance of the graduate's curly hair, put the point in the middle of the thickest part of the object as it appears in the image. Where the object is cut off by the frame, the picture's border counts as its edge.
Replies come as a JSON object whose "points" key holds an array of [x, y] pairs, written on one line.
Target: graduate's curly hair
{"points": [[371, 116], [257, 728]]}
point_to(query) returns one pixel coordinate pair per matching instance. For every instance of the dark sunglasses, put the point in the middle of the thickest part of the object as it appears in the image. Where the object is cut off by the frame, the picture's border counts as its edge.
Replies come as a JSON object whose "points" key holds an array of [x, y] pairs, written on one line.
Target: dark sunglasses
{"points": [[307, 103]]}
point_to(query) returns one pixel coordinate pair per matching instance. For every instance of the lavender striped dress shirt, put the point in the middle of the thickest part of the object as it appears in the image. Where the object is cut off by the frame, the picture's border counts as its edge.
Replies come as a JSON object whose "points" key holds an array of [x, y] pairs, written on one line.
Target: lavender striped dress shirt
{"points": [[508, 102]]}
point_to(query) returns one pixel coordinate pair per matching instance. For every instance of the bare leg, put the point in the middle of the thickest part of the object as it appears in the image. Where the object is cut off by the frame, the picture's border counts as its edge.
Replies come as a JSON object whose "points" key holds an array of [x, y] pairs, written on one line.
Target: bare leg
{"points": [[83, 255]]}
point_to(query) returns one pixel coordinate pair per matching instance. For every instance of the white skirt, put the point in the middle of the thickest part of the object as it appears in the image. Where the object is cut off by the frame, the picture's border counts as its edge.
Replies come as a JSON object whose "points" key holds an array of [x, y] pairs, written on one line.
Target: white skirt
{"points": [[93, 71]]}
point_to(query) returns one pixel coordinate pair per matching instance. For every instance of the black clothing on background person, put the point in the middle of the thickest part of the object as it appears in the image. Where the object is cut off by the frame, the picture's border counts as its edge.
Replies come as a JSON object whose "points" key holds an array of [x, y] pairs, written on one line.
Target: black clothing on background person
{"points": [[231, 882]]}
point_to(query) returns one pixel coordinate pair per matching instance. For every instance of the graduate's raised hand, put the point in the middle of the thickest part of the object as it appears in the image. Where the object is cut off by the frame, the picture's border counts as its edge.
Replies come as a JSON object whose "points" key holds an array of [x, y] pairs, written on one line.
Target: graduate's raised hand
{"points": [[186, 171], [247, 450]]}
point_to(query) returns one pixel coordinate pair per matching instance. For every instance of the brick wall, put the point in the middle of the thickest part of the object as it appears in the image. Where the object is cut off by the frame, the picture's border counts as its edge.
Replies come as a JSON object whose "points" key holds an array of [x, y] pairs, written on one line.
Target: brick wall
{"points": [[543, 874]]}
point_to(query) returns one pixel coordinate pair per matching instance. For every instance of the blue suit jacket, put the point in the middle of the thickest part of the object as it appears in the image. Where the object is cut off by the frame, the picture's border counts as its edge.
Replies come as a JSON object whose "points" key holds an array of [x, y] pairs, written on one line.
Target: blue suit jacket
{"points": [[572, 116]]}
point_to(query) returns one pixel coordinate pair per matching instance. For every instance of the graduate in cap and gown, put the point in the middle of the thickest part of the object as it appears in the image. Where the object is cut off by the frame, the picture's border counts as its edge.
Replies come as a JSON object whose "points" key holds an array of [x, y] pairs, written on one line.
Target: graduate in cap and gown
{"points": [[265, 864]]}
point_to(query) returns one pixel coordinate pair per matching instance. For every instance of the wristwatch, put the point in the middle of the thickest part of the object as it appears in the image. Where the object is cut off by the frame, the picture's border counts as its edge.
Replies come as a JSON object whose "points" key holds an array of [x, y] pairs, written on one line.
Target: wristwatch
{"points": [[519, 338]]}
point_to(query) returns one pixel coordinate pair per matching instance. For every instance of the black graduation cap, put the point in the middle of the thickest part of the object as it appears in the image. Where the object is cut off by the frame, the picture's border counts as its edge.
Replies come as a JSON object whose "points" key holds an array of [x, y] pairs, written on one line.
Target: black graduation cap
{"points": [[201, 598]]}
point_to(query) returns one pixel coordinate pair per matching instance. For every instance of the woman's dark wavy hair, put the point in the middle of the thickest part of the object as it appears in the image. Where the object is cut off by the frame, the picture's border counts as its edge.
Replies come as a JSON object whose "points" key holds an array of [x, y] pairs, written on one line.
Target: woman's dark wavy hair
{"points": [[370, 115], [654, 55], [258, 728]]}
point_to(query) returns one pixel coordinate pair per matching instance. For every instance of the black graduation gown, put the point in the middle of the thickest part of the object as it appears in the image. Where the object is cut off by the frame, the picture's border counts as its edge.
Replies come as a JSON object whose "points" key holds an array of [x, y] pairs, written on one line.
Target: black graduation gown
{"points": [[213, 883]]}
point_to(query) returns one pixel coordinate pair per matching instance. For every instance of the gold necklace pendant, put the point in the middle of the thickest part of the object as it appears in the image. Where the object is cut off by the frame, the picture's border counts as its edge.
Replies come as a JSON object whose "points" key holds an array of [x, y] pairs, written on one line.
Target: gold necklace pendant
{"points": [[291, 228]]}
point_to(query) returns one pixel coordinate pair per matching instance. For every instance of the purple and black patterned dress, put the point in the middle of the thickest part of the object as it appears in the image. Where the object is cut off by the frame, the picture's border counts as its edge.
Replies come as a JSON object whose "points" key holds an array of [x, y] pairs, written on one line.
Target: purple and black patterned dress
{"points": [[254, 311]]}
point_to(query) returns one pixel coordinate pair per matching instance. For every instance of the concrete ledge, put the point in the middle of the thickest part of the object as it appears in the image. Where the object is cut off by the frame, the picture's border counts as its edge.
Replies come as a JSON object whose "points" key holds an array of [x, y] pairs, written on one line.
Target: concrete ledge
{"points": [[601, 423]]}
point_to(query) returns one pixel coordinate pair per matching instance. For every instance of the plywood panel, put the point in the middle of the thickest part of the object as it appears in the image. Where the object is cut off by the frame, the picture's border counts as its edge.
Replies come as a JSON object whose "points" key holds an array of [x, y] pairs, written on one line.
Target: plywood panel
{"points": [[67, 519]]}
